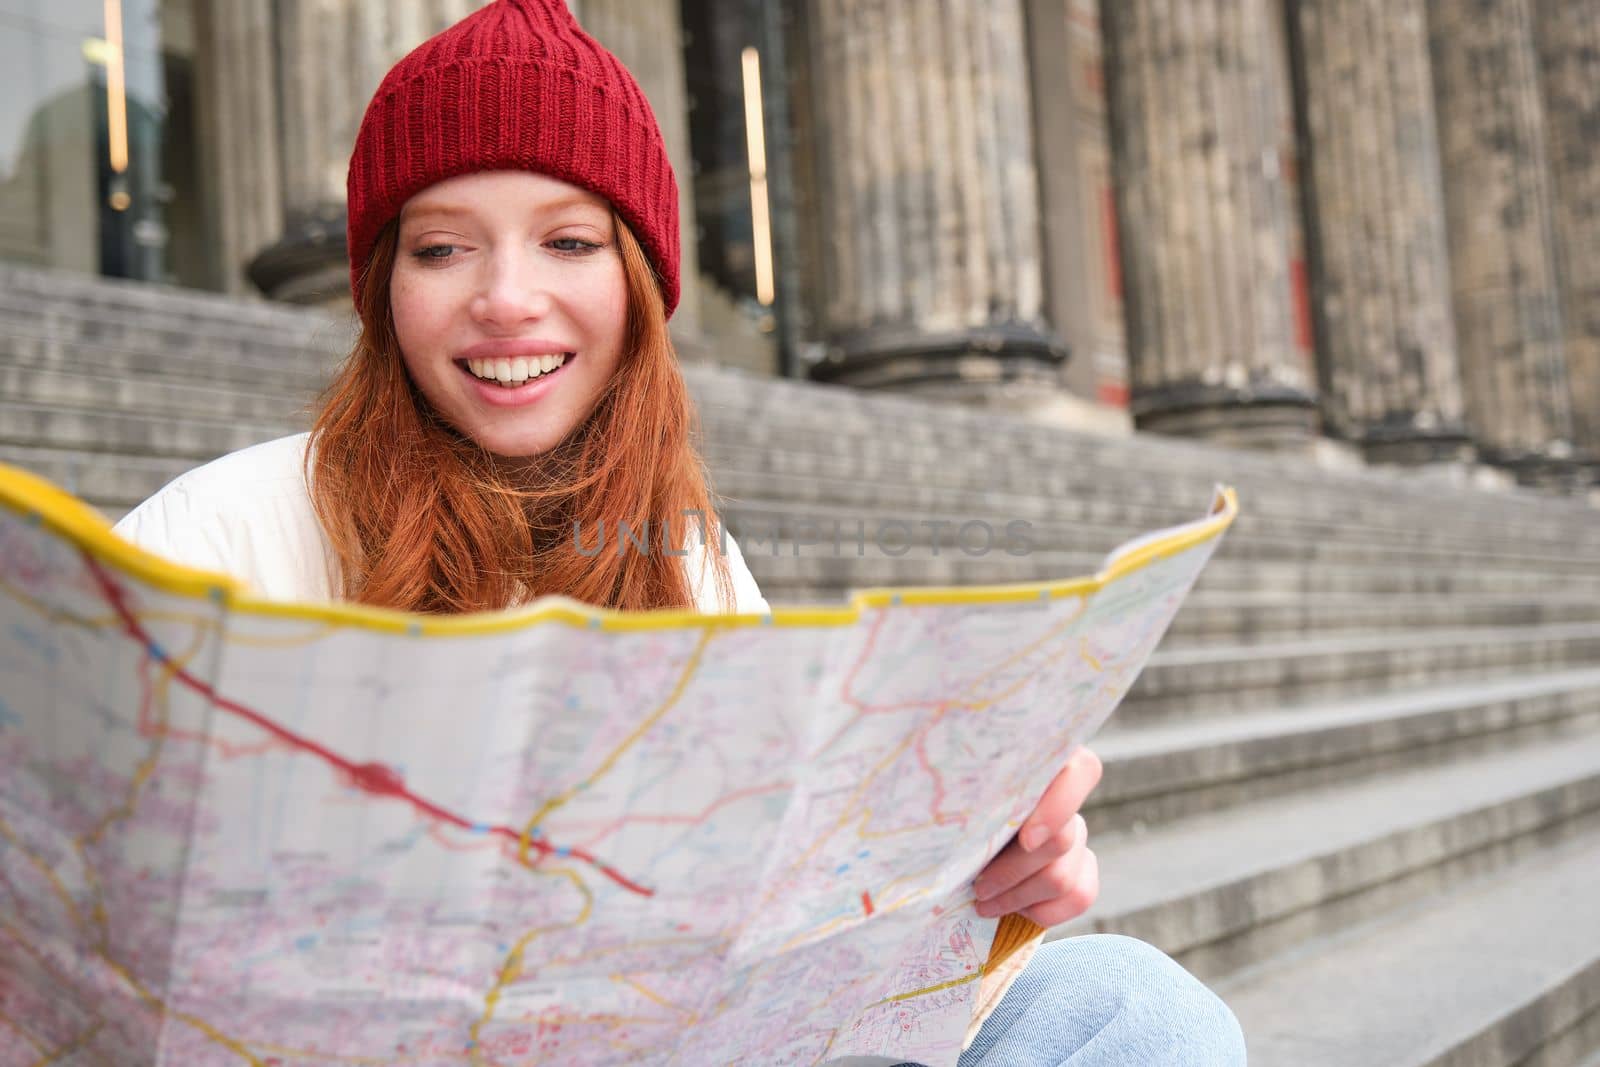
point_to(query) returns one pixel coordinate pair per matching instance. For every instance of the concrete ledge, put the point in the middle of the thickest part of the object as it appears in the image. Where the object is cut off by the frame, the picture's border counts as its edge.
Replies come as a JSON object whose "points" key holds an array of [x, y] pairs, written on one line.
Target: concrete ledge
{"points": [[1156, 775], [1195, 682], [1226, 890], [1481, 978]]}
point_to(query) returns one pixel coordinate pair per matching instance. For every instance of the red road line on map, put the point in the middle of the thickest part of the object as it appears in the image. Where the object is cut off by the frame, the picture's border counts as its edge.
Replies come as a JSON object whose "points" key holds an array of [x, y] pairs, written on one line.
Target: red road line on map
{"points": [[866, 901], [374, 778], [939, 817]]}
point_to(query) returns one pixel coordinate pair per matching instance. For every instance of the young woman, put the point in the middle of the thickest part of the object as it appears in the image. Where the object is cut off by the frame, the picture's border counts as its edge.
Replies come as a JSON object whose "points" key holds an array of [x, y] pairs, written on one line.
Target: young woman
{"points": [[513, 240]]}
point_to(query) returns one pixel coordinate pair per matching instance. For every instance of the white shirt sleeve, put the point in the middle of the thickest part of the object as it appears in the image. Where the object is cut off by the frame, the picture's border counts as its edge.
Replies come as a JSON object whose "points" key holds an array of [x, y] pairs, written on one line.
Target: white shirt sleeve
{"points": [[166, 525], [747, 594], [247, 515]]}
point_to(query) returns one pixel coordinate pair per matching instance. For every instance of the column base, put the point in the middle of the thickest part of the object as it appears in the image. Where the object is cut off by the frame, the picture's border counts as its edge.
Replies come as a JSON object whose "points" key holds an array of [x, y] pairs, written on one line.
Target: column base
{"points": [[1411, 447], [959, 362], [308, 264], [1269, 418], [1562, 474]]}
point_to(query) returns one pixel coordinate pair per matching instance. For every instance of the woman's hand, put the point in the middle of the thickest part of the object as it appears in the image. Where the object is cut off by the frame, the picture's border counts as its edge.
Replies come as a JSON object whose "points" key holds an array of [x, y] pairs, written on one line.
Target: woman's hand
{"points": [[1047, 872]]}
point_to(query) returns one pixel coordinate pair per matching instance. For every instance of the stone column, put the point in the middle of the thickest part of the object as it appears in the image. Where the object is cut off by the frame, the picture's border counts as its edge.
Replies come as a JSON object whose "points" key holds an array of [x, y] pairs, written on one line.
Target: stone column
{"points": [[1375, 216], [647, 36], [1567, 33], [1198, 97], [1082, 288], [236, 100], [927, 201], [1502, 249], [330, 57]]}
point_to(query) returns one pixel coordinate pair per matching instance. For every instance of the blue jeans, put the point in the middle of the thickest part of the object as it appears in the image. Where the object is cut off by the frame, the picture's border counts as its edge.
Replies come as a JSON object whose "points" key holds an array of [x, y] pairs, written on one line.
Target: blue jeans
{"points": [[1103, 1000]]}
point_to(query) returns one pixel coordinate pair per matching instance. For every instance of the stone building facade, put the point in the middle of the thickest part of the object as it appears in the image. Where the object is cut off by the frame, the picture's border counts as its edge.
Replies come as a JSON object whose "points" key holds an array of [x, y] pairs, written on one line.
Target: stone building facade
{"points": [[1268, 222]]}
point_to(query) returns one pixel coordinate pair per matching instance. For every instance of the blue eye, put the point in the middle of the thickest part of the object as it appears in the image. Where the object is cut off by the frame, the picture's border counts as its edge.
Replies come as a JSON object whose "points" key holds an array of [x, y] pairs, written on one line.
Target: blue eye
{"points": [[424, 253], [580, 247]]}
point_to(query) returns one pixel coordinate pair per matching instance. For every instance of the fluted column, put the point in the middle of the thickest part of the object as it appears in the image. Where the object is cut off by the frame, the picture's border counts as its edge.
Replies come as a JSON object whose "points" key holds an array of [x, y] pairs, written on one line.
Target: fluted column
{"points": [[1567, 33], [236, 100], [928, 262], [1198, 99], [1375, 216], [331, 55], [1497, 198], [647, 36]]}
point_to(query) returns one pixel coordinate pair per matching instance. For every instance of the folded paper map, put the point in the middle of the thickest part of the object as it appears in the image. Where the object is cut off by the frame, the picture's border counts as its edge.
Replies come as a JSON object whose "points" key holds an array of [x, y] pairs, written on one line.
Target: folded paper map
{"points": [[243, 832]]}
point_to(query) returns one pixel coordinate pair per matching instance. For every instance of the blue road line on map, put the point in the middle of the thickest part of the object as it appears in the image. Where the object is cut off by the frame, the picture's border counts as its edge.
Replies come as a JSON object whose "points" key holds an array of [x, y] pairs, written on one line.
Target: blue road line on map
{"points": [[563, 850], [480, 827], [841, 868], [863, 854]]}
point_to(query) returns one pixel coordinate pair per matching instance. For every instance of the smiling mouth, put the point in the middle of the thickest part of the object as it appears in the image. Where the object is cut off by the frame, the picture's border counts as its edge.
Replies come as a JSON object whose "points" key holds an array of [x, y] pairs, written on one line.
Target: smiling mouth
{"points": [[514, 373]]}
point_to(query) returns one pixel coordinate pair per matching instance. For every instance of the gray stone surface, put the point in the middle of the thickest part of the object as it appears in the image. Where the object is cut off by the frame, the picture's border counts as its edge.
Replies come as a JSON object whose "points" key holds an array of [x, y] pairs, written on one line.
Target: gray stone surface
{"points": [[1381, 270], [1191, 884], [1482, 976], [1498, 203], [931, 275], [1197, 106]]}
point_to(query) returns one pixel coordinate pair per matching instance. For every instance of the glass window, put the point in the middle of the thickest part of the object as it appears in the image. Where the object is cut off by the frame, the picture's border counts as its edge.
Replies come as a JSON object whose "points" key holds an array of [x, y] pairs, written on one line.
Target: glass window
{"points": [[95, 160]]}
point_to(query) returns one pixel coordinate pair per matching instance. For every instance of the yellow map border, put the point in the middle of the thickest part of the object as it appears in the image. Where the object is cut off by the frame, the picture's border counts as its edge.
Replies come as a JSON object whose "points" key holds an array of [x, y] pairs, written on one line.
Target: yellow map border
{"points": [[38, 499]]}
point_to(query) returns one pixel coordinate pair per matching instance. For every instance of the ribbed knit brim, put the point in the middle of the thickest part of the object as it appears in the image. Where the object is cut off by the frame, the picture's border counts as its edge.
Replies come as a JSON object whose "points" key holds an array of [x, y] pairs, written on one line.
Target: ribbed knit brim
{"points": [[516, 85]]}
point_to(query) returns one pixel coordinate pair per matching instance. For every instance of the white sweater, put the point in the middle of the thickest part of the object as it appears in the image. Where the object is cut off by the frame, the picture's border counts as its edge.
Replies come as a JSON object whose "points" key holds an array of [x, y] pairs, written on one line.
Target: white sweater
{"points": [[249, 515]]}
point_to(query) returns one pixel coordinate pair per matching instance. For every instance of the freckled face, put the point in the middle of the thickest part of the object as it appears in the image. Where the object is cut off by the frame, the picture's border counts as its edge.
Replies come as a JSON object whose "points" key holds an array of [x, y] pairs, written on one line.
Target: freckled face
{"points": [[516, 267]]}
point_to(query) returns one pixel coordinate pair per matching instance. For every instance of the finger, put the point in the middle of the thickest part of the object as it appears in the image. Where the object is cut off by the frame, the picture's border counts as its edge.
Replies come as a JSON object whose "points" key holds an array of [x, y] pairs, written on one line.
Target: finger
{"points": [[1062, 798], [1079, 900], [1057, 879], [1013, 864]]}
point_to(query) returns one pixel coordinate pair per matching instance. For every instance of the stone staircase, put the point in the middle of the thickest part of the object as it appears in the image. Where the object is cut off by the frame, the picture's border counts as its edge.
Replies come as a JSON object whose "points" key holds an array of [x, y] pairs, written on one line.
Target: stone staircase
{"points": [[1357, 789]]}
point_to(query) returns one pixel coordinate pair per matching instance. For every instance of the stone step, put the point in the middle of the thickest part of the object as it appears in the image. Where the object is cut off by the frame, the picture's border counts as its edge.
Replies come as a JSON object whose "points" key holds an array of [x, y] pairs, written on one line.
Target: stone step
{"points": [[1227, 890], [93, 429], [898, 460], [116, 482], [1197, 682], [112, 482], [785, 570], [742, 475], [198, 437], [894, 525], [1089, 518], [1156, 774], [1504, 971], [68, 297], [301, 368], [1220, 616], [889, 424], [256, 370], [172, 396]]}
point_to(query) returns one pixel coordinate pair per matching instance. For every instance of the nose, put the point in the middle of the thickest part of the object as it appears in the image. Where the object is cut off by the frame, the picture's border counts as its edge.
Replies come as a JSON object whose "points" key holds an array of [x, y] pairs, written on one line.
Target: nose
{"points": [[513, 289]]}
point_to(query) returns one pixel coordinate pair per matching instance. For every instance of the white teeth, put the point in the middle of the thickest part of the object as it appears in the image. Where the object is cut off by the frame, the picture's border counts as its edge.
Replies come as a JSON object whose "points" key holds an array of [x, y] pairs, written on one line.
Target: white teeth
{"points": [[515, 371]]}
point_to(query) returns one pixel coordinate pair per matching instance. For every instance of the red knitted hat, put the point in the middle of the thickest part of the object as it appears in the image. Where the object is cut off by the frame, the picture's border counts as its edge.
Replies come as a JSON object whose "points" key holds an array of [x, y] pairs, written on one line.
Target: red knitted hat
{"points": [[516, 85]]}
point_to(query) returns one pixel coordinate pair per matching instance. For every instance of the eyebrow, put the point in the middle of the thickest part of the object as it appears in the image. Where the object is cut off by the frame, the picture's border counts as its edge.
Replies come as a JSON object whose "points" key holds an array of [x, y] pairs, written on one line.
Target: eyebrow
{"points": [[453, 211]]}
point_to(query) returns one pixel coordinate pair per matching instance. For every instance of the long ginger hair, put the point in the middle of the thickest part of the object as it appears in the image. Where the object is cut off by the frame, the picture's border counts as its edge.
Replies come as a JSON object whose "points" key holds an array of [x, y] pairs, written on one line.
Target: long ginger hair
{"points": [[422, 518]]}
